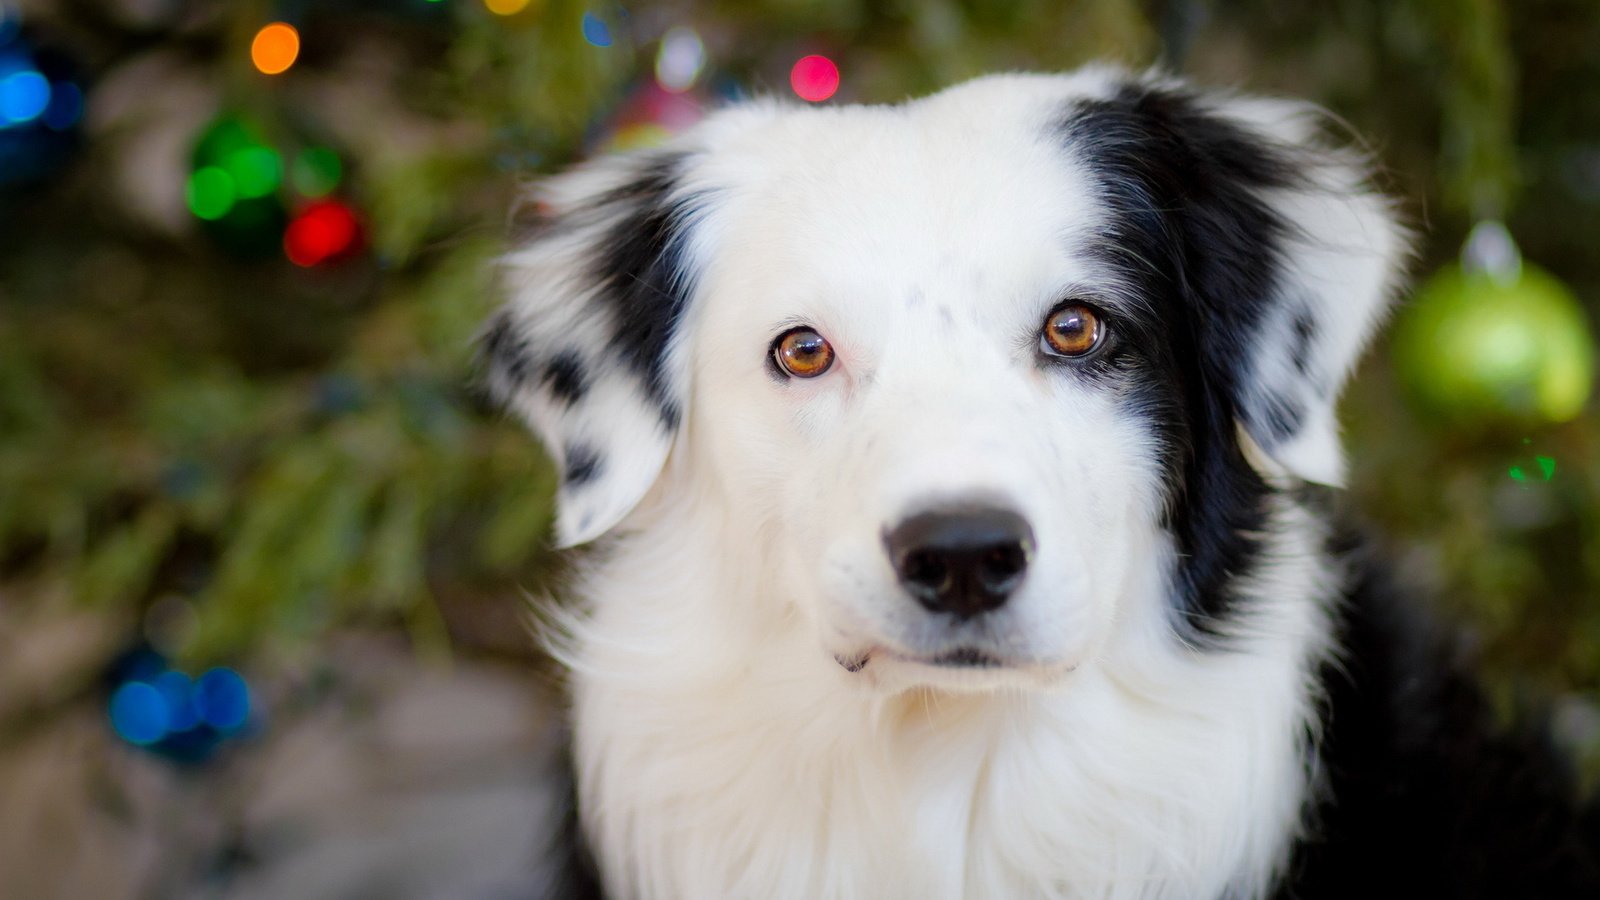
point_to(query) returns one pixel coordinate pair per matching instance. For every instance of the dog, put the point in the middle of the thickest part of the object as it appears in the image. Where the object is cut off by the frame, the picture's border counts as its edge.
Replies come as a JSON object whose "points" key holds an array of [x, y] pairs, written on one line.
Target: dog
{"points": [[962, 479]]}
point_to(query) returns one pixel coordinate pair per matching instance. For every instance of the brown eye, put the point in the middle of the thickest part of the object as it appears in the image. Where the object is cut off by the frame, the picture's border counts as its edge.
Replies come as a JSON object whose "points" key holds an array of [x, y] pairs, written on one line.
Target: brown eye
{"points": [[802, 353], [1072, 329]]}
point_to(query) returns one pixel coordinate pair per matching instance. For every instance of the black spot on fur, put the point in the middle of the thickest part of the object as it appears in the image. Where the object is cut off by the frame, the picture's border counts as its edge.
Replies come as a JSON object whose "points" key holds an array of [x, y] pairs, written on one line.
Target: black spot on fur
{"points": [[583, 465], [506, 351], [1192, 237], [565, 377], [1279, 418], [1305, 332], [639, 265]]}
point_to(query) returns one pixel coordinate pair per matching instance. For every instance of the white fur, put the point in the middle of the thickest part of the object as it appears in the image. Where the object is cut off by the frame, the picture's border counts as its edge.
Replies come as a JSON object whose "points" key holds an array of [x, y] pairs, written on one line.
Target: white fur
{"points": [[722, 756], [722, 750]]}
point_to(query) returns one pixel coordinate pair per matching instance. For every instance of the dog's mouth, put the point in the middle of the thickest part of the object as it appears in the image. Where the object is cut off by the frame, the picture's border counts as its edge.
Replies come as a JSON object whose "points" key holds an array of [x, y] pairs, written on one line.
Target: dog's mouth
{"points": [[958, 658]]}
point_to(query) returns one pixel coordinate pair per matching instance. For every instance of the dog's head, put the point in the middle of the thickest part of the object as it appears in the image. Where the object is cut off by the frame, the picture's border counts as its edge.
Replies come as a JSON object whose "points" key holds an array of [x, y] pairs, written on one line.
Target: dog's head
{"points": [[963, 381]]}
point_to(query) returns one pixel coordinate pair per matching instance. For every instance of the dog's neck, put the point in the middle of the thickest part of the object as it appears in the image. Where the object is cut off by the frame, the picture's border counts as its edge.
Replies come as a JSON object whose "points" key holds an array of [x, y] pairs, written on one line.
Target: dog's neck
{"points": [[723, 754]]}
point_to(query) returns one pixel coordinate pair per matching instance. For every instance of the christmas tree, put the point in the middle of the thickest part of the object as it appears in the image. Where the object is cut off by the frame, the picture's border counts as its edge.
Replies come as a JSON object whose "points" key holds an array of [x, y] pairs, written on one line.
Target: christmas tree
{"points": [[245, 249]]}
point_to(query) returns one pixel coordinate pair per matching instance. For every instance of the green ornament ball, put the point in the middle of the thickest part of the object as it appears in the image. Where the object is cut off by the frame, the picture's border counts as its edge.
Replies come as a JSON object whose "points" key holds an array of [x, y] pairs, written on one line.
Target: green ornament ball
{"points": [[1474, 347]]}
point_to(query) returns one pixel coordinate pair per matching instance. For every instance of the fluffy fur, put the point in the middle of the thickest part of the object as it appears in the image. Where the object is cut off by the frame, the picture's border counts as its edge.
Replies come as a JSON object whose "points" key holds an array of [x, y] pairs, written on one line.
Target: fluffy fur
{"points": [[1195, 692]]}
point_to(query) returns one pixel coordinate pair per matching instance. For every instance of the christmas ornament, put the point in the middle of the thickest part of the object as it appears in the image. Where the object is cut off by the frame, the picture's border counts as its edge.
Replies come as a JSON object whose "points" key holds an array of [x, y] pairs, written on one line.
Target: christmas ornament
{"points": [[1495, 337]]}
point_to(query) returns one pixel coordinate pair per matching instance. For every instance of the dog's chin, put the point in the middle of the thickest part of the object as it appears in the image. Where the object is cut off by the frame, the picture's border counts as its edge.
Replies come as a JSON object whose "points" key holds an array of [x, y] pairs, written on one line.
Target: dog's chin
{"points": [[962, 669]]}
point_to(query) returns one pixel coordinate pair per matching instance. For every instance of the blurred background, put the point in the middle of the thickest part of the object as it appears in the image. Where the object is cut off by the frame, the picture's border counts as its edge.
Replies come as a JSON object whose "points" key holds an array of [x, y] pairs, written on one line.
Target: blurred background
{"points": [[266, 552]]}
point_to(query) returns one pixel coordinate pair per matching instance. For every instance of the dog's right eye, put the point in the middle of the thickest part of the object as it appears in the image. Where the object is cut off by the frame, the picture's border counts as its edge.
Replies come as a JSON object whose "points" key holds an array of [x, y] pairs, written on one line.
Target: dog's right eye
{"points": [[802, 352]]}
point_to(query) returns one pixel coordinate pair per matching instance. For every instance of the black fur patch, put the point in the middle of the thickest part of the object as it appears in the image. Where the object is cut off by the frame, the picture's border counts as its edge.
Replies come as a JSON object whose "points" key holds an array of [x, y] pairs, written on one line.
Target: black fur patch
{"points": [[583, 465], [565, 377], [1423, 793], [1281, 419], [639, 266], [506, 351], [1305, 333], [1192, 237]]}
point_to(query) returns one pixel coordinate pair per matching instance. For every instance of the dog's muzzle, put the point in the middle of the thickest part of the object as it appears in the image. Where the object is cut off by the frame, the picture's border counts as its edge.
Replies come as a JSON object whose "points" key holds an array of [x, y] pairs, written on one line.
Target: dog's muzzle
{"points": [[965, 561]]}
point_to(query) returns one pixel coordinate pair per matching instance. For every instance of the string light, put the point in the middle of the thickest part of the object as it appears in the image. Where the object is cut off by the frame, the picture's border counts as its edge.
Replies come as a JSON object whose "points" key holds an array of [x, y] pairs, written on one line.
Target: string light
{"points": [[814, 78], [325, 231], [257, 171], [506, 7], [210, 193], [595, 30], [24, 96], [221, 699], [275, 48], [680, 60], [164, 709], [139, 713]]}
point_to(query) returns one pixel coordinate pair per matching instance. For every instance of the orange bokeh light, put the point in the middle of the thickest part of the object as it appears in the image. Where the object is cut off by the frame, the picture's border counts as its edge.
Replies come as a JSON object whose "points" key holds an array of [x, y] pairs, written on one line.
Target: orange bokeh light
{"points": [[506, 7], [275, 48]]}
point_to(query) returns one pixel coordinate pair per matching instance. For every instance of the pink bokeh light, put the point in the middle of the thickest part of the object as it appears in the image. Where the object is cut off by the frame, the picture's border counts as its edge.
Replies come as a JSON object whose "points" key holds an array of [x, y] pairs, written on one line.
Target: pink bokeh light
{"points": [[815, 78]]}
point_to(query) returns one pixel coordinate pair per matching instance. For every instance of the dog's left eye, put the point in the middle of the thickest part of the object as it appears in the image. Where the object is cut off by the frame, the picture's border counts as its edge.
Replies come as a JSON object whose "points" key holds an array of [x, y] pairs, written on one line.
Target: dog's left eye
{"points": [[802, 352], [1072, 329]]}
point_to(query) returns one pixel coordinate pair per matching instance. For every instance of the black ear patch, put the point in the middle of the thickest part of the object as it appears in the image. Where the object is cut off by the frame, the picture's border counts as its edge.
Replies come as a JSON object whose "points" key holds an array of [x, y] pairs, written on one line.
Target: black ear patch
{"points": [[639, 266], [1192, 234], [584, 346]]}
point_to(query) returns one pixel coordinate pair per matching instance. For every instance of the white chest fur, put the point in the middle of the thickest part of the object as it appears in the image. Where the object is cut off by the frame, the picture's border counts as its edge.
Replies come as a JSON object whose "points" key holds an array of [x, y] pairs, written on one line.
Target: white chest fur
{"points": [[714, 765]]}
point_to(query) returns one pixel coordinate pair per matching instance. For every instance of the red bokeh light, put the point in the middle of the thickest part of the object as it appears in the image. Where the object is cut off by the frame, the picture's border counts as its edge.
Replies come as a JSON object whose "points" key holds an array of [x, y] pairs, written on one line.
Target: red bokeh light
{"points": [[814, 78], [323, 231]]}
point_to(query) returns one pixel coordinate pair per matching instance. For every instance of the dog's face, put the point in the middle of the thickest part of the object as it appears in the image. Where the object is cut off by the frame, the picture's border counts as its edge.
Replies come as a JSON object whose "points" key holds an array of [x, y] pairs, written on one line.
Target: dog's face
{"points": [[977, 380]]}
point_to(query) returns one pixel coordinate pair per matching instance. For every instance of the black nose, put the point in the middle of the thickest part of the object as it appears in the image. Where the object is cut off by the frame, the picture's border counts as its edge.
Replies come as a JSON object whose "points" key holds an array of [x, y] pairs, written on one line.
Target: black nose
{"points": [[964, 561]]}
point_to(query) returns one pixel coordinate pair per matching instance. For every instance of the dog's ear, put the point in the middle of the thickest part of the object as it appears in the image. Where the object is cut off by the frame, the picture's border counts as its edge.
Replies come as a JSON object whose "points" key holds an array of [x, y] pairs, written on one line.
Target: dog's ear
{"points": [[586, 347], [1284, 256]]}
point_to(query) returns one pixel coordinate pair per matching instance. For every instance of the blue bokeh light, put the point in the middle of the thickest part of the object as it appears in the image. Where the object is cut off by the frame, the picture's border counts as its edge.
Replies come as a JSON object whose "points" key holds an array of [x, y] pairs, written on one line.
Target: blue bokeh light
{"points": [[222, 699], [178, 717], [24, 96], [595, 31], [139, 713], [178, 691]]}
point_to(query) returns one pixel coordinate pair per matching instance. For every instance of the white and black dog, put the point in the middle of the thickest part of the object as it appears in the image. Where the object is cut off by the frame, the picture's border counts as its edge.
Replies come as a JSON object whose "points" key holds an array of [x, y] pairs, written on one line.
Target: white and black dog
{"points": [[960, 466]]}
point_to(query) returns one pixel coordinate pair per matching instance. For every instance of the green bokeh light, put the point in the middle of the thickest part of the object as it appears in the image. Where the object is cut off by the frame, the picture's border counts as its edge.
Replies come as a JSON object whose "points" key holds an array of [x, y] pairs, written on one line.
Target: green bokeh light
{"points": [[316, 171], [257, 171], [210, 193], [222, 140], [1546, 466]]}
